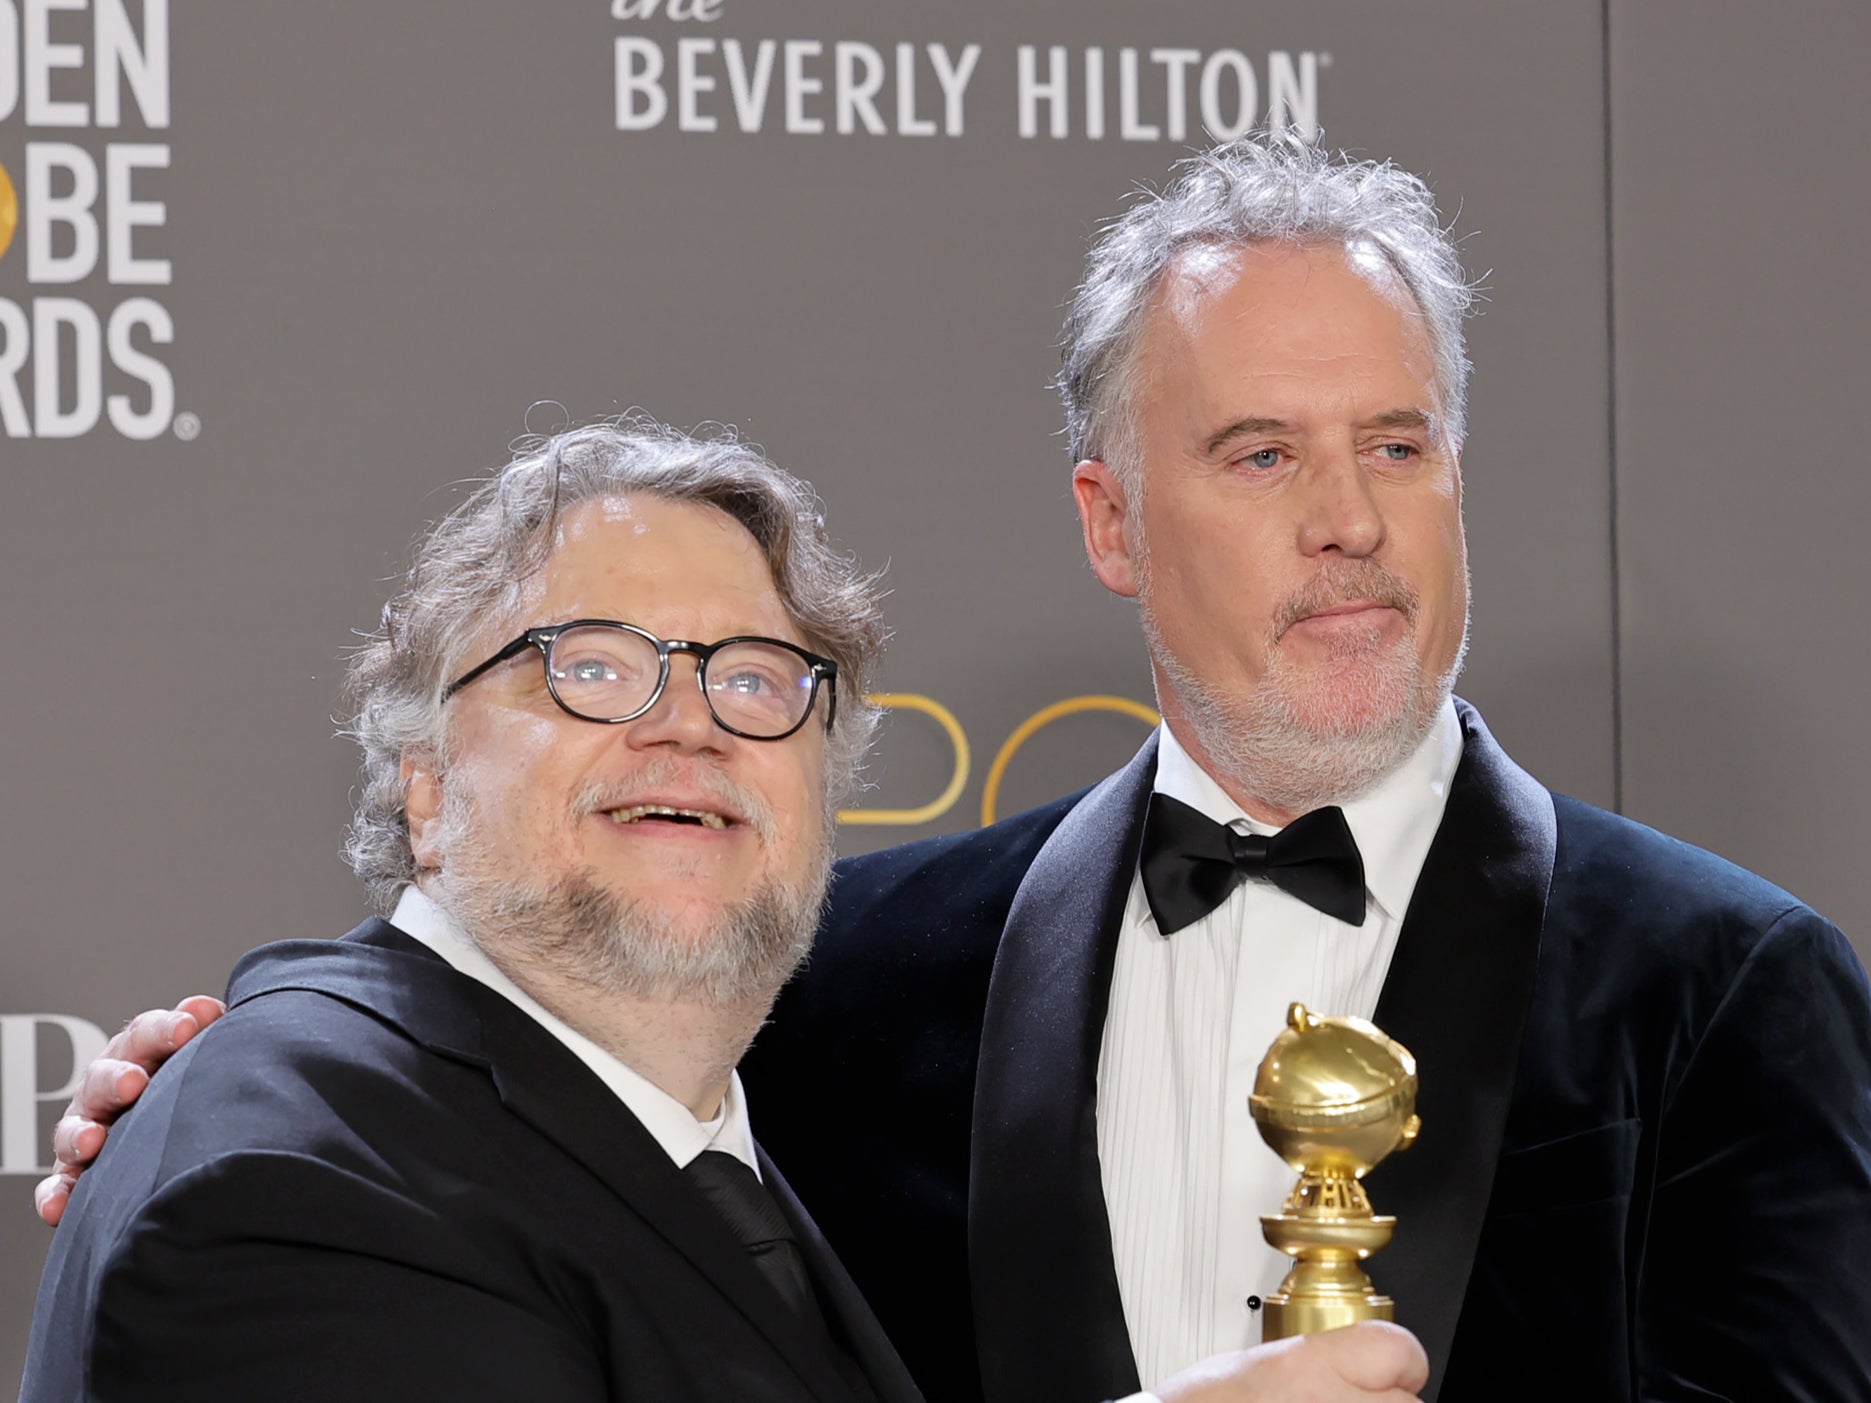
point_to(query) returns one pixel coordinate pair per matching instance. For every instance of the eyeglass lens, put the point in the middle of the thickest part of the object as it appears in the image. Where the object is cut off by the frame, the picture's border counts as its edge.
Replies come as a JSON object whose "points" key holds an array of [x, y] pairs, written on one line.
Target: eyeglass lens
{"points": [[609, 673]]}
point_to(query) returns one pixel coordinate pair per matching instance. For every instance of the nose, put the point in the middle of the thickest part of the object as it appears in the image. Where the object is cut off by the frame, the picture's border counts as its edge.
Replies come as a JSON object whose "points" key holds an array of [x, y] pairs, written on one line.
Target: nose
{"points": [[1340, 512], [680, 719]]}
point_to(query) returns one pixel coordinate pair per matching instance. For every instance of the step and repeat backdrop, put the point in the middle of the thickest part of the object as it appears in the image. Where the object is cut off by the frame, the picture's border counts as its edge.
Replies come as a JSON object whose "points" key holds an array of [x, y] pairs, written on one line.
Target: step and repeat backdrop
{"points": [[274, 279]]}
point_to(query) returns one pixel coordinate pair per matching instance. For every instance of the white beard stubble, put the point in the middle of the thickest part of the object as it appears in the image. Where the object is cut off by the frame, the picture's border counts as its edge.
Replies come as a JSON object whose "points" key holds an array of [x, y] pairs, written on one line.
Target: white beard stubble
{"points": [[575, 929], [1299, 742]]}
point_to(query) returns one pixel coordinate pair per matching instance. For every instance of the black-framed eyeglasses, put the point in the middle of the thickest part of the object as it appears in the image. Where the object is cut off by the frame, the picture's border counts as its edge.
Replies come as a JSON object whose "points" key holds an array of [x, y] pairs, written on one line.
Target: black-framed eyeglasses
{"points": [[609, 672]]}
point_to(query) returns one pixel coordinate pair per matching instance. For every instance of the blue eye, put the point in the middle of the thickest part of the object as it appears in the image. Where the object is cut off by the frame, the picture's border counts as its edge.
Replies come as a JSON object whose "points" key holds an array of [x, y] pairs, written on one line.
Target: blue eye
{"points": [[591, 670], [1398, 452], [1263, 458], [748, 684]]}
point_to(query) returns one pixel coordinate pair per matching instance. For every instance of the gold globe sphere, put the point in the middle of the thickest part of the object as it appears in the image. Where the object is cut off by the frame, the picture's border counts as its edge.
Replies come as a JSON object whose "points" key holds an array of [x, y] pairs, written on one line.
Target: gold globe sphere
{"points": [[1335, 1094]]}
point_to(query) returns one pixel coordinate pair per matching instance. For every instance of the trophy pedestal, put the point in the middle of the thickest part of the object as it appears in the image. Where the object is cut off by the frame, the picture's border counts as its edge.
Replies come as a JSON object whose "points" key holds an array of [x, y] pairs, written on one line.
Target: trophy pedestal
{"points": [[1326, 1287], [1334, 1097]]}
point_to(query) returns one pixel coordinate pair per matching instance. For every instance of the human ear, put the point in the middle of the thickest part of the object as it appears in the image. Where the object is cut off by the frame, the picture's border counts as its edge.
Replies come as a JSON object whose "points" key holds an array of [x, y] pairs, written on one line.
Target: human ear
{"points": [[1104, 516], [422, 808]]}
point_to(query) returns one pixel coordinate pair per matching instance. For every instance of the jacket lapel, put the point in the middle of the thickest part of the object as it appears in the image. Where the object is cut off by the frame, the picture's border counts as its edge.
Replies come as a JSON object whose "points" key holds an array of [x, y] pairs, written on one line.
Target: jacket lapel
{"points": [[1049, 1318], [1456, 995], [542, 1083]]}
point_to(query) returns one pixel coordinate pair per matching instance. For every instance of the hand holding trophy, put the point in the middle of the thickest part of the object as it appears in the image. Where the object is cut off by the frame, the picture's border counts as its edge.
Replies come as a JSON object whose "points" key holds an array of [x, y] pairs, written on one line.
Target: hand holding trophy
{"points": [[1334, 1097]]}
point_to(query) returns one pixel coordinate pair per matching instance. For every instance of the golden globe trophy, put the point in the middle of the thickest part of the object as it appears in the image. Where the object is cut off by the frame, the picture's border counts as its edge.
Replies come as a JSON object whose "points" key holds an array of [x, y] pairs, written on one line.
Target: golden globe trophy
{"points": [[1334, 1096]]}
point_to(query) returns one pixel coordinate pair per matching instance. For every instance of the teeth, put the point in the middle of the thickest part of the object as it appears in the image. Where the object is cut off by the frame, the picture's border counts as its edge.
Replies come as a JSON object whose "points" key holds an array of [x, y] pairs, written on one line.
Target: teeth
{"points": [[637, 811]]}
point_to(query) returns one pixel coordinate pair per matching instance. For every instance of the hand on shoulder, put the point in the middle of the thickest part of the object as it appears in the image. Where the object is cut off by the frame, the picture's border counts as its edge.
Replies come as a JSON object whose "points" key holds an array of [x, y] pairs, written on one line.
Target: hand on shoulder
{"points": [[110, 1086]]}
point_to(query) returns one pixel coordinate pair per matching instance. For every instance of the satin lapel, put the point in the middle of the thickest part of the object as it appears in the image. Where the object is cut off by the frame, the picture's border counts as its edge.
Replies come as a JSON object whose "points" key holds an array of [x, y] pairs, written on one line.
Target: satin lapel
{"points": [[1049, 1319], [849, 1317], [543, 1084], [1456, 996]]}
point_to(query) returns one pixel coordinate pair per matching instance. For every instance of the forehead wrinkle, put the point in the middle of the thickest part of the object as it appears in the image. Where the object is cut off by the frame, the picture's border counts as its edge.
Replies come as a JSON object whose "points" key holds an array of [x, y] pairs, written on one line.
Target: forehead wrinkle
{"points": [[717, 588], [1321, 373]]}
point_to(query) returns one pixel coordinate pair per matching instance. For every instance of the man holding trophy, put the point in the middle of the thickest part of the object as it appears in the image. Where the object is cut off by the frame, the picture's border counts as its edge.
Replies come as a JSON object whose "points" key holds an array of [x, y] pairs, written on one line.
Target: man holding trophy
{"points": [[1644, 1164], [1019, 1082]]}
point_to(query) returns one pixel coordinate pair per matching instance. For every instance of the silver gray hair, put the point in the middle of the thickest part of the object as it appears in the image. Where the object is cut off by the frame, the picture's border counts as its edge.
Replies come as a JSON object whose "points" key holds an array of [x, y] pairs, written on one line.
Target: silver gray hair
{"points": [[471, 565], [1268, 188]]}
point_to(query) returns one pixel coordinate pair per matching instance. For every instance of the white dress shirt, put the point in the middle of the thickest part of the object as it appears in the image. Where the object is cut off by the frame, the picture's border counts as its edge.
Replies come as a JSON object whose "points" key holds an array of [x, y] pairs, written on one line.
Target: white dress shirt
{"points": [[671, 1123], [1186, 1174]]}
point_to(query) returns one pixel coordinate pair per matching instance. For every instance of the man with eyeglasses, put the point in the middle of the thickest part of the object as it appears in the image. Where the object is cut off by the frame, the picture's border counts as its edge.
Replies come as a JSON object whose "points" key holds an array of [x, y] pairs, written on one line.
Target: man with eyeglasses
{"points": [[1013, 1081], [492, 1143]]}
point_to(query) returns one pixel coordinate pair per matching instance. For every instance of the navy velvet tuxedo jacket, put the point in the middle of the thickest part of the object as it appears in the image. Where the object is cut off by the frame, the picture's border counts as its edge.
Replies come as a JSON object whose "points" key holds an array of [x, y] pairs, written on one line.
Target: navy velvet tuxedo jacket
{"points": [[376, 1179], [1645, 1164]]}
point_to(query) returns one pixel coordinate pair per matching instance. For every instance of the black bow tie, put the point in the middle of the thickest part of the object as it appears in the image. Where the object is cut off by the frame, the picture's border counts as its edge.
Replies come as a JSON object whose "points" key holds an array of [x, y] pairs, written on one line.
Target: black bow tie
{"points": [[1190, 863]]}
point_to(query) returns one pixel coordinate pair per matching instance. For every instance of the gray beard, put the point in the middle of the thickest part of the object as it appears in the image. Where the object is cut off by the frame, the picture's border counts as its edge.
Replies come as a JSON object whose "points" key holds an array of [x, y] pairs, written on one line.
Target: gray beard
{"points": [[576, 930], [1262, 746], [1273, 746]]}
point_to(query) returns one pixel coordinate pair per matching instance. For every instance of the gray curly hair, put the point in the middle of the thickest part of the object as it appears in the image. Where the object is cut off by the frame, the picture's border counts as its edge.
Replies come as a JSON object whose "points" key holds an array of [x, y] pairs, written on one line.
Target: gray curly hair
{"points": [[1267, 188], [470, 567]]}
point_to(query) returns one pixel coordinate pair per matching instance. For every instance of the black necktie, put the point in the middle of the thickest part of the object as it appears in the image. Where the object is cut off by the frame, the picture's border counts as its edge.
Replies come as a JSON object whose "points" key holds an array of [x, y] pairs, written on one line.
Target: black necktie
{"points": [[755, 1218], [1190, 863]]}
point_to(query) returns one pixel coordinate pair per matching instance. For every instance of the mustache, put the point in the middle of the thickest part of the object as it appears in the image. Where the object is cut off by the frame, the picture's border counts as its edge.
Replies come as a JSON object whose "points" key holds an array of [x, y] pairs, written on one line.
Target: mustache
{"points": [[1346, 580], [595, 796]]}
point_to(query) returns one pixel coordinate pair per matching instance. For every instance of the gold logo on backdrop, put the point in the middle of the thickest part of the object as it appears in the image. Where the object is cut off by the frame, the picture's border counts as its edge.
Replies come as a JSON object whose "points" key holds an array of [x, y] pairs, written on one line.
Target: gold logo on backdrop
{"points": [[997, 772], [9, 211], [943, 802], [1071, 706]]}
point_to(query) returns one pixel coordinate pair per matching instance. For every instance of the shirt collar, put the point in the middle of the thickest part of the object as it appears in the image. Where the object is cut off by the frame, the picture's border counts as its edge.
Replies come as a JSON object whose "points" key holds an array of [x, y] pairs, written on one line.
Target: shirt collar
{"points": [[1394, 821], [671, 1123]]}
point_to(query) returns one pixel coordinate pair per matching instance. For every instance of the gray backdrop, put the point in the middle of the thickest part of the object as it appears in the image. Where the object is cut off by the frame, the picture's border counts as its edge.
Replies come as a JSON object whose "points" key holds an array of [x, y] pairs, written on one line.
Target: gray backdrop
{"points": [[388, 229]]}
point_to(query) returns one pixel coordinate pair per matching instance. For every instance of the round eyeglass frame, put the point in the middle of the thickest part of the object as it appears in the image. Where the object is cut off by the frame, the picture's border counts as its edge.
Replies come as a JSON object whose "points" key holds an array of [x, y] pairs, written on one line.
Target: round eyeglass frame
{"points": [[821, 670]]}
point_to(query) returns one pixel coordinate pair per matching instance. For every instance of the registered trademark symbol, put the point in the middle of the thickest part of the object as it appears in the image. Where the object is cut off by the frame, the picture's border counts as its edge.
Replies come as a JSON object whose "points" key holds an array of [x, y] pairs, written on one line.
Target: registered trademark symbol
{"points": [[187, 426]]}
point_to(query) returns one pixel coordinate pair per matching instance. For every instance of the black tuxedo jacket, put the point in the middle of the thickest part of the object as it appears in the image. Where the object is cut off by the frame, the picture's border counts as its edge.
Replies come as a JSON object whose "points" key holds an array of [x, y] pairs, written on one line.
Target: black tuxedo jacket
{"points": [[1645, 1165], [376, 1179]]}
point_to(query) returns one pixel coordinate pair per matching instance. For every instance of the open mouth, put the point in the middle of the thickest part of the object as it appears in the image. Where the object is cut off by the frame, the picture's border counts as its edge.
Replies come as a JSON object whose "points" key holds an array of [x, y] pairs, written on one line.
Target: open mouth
{"points": [[663, 813]]}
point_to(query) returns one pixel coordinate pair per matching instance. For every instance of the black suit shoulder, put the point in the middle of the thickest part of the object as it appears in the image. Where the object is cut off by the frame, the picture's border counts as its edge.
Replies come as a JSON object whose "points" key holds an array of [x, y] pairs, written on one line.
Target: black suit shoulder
{"points": [[1627, 866], [309, 1075], [1661, 938], [377, 1179], [1651, 947], [1686, 1173], [304, 1173], [305, 1073]]}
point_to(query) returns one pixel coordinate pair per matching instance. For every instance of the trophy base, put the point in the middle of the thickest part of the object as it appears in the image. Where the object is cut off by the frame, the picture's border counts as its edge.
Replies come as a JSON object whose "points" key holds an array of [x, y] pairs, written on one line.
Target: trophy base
{"points": [[1282, 1316], [1326, 1288]]}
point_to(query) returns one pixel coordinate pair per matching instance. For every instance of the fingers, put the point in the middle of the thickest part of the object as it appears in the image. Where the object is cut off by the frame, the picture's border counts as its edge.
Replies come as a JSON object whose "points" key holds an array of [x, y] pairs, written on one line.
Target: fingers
{"points": [[151, 1038], [203, 1008], [123, 1069], [76, 1141], [107, 1088], [1376, 1355], [50, 1195]]}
